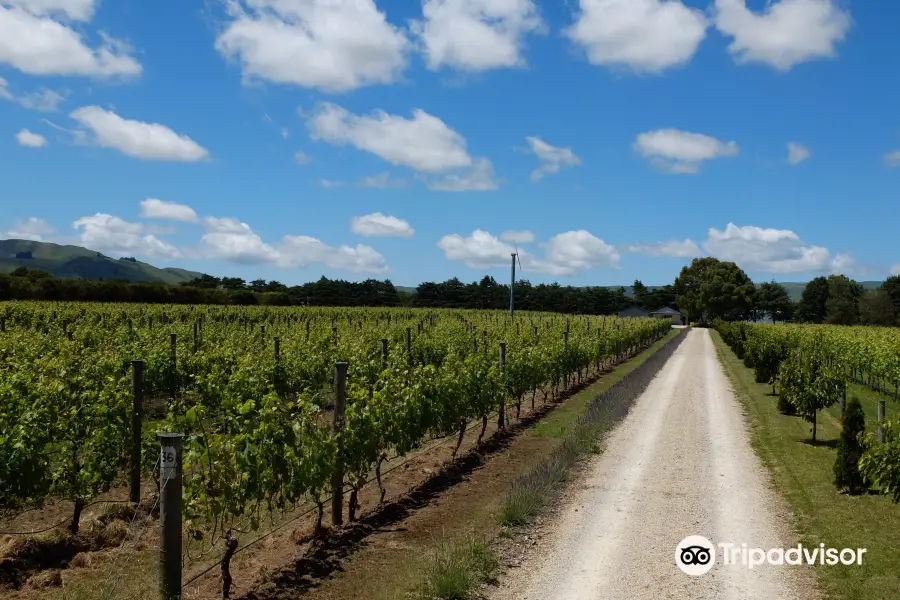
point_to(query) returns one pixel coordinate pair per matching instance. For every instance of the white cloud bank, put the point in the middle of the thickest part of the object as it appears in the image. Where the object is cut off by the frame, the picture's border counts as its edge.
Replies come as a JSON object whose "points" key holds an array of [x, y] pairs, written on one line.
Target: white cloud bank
{"points": [[681, 152], [379, 225], [137, 139], [33, 229], [108, 233], [153, 208]]}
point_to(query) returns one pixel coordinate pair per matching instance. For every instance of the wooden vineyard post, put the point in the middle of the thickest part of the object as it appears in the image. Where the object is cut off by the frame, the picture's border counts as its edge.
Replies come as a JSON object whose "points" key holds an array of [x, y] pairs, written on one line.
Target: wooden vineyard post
{"points": [[262, 334], [881, 417], [501, 414], [173, 351], [384, 351], [137, 418], [409, 345], [334, 334], [171, 445], [566, 343], [307, 330], [196, 339], [337, 429]]}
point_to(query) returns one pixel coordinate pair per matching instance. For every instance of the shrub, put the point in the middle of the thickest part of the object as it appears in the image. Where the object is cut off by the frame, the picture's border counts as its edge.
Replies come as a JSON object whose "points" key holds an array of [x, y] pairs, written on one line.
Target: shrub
{"points": [[850, 449]]}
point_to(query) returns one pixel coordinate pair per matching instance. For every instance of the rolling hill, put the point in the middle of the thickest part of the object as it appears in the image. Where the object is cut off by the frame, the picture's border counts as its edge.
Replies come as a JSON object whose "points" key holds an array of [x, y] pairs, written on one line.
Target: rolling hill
{"points": [[80, 263]]}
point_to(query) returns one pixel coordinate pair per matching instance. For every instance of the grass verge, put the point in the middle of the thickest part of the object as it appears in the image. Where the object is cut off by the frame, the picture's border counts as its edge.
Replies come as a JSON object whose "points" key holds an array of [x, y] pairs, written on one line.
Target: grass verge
{"points": [[458, 567], [802, 472]]}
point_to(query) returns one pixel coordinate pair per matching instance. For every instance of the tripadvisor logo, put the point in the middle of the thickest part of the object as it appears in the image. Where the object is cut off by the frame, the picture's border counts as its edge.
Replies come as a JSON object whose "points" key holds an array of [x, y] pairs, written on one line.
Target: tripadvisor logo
{"points": [[696, 555]]}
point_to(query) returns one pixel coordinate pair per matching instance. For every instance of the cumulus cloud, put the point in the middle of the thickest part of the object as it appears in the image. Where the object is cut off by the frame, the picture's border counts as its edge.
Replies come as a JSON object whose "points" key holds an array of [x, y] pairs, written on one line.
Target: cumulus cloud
{"points": [[479, 178], [772, 251], [647, 36], [234, 241], [552, 158], [110, 234], [797, 153], [517, 236], [379, 225], [475, 35], [786, 33], [35, 40], [892, 159], [564, 254], [676, 248], [147, 141], [424, 142], [332, 45], [31, 140], [153, 208], [681, 152], [33, 229]]}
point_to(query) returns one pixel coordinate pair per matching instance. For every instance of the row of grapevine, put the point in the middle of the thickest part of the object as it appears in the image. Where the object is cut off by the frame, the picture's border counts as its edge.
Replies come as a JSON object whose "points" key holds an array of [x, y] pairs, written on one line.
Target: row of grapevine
{"points": [[250, 387], [812, 365]]}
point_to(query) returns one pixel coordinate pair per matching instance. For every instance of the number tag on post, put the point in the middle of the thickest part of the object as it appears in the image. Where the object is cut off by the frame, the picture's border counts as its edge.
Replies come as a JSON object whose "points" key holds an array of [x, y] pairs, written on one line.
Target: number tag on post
{"points": [[167, 461]]}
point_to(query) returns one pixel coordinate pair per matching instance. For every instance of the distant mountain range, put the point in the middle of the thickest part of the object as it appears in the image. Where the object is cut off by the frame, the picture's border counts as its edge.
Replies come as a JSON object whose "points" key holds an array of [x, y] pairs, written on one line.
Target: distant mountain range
{"points": [[80, 263]]}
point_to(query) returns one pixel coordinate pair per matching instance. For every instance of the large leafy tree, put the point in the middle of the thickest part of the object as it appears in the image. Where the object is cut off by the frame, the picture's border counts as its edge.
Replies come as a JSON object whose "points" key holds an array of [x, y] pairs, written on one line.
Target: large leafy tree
{"points": [[773, 300], [875, 308], [891, 285], [842, 305], [712, 289], [811, 308]]}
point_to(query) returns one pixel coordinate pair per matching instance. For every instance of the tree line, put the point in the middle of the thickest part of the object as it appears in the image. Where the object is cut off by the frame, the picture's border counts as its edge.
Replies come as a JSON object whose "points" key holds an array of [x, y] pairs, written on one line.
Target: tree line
{"points": [[710, 289]]}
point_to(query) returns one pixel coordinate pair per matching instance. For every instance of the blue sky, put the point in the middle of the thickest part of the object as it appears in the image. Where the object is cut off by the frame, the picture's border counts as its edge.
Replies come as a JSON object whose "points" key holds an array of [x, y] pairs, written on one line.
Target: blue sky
{"points": [[607, 140]]}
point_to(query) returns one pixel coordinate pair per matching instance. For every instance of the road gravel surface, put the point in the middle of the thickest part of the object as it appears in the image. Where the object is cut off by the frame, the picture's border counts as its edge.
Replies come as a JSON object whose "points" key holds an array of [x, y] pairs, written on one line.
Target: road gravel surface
{"points": [[680, 464]]}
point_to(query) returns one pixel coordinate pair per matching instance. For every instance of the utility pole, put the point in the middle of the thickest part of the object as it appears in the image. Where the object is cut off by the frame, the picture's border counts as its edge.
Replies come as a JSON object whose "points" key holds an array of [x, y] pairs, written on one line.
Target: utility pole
{"points": [[512, 288]]}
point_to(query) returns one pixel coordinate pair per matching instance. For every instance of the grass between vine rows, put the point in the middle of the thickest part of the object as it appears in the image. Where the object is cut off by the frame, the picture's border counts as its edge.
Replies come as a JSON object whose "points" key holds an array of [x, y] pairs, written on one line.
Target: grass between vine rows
{"points": [[803, 474]]}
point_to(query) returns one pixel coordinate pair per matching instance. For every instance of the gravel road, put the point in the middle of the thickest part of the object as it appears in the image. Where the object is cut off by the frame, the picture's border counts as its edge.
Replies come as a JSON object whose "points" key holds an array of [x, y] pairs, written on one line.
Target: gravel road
{"points": [[680, 464]]}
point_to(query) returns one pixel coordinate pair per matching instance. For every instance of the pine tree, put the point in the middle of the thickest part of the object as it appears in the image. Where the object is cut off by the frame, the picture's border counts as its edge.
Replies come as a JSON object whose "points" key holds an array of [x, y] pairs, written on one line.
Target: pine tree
{"points": [[846, 465]]}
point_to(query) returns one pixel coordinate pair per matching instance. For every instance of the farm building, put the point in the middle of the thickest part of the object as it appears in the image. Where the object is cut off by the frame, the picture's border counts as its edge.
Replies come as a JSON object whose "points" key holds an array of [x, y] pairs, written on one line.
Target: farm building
{"points": [[633, 311], [667, 313]]}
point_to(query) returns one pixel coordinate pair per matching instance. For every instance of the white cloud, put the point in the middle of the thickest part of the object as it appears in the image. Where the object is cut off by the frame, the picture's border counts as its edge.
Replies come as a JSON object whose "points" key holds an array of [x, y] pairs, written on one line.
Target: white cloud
{"points": [[424, 142], [773, 251], [285, 134], [31, 140], [33, 229], [552, 158], [382, 181], [35, 43], [797, 153], [479, 178], [646, 36], [564, 254], [4, 92], [76, 10], [892, 159], [111, 234], [329, 184], [148, 141], [475, 35], [43, 101], [681, 152], [231, 240], [302, 158], [517, 236], [379, 225], [153, 208], [332, 45], [786, 33], [677, 248]]}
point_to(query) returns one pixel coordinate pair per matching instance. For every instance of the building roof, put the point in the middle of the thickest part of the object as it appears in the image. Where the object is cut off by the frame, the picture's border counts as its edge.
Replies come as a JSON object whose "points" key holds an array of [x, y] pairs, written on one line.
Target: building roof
{"points": [[665, 311]]}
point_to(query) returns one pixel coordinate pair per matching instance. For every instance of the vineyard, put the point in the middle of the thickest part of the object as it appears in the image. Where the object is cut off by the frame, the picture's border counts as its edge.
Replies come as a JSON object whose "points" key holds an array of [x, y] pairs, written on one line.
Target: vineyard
{"points": [[253, 391], [812, 366]]}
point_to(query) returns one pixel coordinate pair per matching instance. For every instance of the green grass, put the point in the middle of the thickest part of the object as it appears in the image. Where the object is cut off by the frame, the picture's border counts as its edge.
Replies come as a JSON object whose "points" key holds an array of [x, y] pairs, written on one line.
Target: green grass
{"points": [[803, 474], [458, 567], [560, 422]]}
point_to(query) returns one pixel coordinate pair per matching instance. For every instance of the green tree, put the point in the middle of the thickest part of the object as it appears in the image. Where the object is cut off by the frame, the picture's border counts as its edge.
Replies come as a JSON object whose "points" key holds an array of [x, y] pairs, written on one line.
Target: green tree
{"points": [[842, 306], [850, 450], [811, 308], [891, 285], [808, 383], [641, 294], [773, 300], [876, 308], [712, 289]]}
